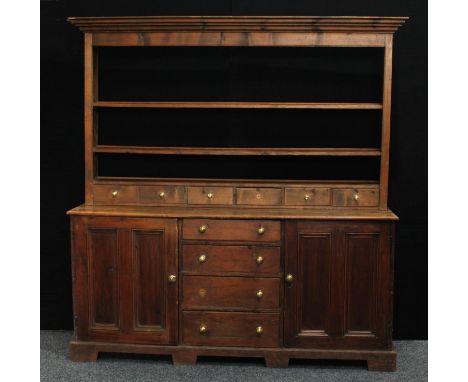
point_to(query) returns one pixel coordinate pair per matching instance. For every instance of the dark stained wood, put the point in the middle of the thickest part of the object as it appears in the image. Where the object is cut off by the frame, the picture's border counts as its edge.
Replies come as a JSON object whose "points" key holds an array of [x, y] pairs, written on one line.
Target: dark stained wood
{"points": [[210, 195], [162, 195], [276, 269], [380, 358], [386, 112], [236, 151], [347, 306], [232, 293], [239, 105], [233, 213], [241, 230], [108, 195], [119, 265], [260, 196], [355, 198], [230, 329], [307, 196], [229, 259], [354, 24]]}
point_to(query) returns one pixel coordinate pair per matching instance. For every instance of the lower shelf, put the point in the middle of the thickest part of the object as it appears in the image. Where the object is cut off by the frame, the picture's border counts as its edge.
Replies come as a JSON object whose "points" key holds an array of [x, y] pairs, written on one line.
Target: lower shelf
{"points": [[377, 360]]}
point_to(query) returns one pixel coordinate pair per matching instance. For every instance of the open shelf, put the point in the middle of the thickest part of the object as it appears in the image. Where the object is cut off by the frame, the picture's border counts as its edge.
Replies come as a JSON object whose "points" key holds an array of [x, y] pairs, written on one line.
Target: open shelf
{"points": [[239, 105], [237, 151]]}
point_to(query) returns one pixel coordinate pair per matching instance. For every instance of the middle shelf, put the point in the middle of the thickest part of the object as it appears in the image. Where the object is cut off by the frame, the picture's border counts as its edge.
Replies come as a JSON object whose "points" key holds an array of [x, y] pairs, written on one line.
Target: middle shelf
{"points": [[236, 151]]}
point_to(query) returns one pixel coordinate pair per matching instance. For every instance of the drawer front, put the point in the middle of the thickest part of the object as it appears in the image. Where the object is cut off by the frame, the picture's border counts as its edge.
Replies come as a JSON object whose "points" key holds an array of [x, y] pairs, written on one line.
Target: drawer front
{"points": [[260, 196], [162, 195], [247, 293], [210, 195], [230, 329], [347, 197], [206, 259], [307, 197], [114, 194], [235, 230]]}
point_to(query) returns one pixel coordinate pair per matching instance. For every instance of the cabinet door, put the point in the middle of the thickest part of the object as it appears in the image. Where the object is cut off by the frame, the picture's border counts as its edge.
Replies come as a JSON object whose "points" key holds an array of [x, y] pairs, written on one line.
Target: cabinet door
{"points": [[340, 294], [121, 288]]}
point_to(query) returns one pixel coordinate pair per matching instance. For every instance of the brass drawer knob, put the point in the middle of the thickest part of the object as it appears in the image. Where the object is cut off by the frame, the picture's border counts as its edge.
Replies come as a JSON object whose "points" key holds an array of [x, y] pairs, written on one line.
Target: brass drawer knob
{"points": [[202, 329], [209, 195], [172, 278], [114, 193], [356, 197], [261, 230], [162, 194], [289, 278], [306, 197], [259, 294], [259, 330], [202, 228], [202, 258], [259, 259]]}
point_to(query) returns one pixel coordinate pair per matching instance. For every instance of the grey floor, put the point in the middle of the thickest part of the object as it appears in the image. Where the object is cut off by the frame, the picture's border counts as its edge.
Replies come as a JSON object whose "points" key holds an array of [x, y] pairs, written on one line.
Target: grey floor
{"points": [[55, 366]]}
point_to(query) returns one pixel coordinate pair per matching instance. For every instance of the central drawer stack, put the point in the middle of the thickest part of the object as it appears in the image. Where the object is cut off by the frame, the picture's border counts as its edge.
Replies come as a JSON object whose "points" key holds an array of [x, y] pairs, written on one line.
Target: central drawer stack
{"points": [[231, 282]]}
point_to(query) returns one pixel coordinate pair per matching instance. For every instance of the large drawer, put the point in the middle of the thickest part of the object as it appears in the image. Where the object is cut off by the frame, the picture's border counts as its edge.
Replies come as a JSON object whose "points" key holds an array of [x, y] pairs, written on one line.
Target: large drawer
{"points": [[235, 230], [230, 329], [206, 259], [236, 293]]}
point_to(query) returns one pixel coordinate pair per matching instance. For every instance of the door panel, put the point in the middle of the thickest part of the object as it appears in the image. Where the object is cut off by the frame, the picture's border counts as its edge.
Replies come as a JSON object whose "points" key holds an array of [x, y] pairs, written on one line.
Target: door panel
{"points": [[341, 293], [120, 279], [103, 281]]}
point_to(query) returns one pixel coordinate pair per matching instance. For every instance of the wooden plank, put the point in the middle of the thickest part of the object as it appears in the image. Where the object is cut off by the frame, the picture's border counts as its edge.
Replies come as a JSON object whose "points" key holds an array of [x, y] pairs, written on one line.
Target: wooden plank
{"points": [[240, 105], [235, 213], [237, 151], [88, 116], [386, 112], [226, 38]]}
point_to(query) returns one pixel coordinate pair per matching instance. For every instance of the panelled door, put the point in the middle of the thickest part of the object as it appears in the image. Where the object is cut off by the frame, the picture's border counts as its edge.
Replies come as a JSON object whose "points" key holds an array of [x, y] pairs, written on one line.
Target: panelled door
{"points": [[122, 288], [338, 284]]}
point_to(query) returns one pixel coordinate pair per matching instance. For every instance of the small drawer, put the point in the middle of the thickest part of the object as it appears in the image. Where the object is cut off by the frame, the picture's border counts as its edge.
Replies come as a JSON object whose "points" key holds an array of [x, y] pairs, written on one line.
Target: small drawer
{"points": [[260, 196], [230, 329], [157, 195], [115, 194], [206, 259], [307, 196], [240, 293], [356, 197], [210, 195], [233, 230]]}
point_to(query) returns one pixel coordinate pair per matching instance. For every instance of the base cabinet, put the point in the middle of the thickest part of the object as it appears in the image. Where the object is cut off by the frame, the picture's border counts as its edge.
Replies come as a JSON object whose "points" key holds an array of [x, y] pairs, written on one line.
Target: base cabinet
{"points": [[262, 288]]}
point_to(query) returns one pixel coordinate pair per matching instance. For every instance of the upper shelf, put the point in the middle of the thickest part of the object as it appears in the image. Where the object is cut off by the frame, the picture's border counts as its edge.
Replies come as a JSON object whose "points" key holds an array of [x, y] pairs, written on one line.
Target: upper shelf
{"points": [[238, 105], [343, 24]]}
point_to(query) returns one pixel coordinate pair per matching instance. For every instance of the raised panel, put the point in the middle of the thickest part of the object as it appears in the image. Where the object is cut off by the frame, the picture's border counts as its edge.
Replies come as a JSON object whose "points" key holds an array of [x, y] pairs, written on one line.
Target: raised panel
{"points": [[103, 278], [362, 252], [148, 279], [314, 257]]}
